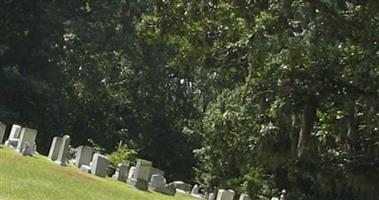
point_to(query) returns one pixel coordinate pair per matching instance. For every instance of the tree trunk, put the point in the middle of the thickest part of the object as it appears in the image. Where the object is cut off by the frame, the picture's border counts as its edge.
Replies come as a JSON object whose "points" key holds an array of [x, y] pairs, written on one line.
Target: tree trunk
{"points": [[308, 119]]}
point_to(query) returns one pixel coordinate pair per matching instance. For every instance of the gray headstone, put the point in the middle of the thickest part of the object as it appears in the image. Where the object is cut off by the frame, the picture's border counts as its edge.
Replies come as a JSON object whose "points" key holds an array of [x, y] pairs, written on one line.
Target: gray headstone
{"points": [[225, 195], [63, 151], [211, 196], [120, 173], [158, 184], [28, 149], [14, 136], [2, 131], [83, 155], [244, 197], [54, 148], [142, 175], [27, 136], [99, 165]]}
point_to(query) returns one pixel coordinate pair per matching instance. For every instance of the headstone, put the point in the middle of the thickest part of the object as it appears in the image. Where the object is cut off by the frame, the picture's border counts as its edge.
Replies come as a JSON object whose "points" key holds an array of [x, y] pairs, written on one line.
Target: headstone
{"points": [[131, 172], [54, 148], [2, 131], [63, 151], [244, 197], [225, 195], [158, 184], [14, 136], [27, 136], [28, 149], [156, 171], [211, 196], [180, 186], [141, 175], [120, 173], [83, 155], [195, 189], [99, 165]]}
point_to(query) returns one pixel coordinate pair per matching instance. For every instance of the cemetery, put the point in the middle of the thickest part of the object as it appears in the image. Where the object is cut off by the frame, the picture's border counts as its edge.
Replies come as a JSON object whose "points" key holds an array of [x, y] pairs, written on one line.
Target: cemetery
{"points": [[86, 165], [189, 100]]}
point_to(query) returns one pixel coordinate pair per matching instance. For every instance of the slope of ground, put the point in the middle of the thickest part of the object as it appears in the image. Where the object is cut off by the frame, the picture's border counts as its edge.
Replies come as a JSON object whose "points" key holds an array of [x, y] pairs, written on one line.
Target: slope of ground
{"points": [[37, 178]]}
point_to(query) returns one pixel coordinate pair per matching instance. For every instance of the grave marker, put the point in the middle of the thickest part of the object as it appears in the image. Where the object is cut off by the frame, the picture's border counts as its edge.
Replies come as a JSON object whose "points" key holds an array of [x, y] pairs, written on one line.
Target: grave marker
{"points": [[83, 156], [225, 195], [54, 148], [2, 131], [63, 151], [141, 175], [120, 173], [27, 140], [99, 165]]}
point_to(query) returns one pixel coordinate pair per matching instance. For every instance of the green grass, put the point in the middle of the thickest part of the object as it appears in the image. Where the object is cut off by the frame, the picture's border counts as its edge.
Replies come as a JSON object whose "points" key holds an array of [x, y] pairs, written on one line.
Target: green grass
{"points": [[37, 178]]}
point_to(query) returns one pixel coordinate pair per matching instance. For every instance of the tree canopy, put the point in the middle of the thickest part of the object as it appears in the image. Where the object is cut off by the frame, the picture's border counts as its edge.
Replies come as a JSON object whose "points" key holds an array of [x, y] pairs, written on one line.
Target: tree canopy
{"points": [[257, 96]]}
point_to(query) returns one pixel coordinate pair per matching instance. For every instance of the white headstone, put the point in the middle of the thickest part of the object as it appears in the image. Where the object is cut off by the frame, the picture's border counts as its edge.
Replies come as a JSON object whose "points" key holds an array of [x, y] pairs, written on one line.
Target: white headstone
{"points": [[2, 131], [225, 195], [54, 148], [14, 136], [211, 196], [99, 165], [15, 132], [83, 155], [195, 189], [27, 136], [131, 172], [63, 151], [244, 197]]}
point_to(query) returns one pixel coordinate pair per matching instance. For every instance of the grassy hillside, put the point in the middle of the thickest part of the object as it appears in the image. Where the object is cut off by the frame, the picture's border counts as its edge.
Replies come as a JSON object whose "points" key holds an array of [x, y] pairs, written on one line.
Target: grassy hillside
{"points": [[37, 178]]}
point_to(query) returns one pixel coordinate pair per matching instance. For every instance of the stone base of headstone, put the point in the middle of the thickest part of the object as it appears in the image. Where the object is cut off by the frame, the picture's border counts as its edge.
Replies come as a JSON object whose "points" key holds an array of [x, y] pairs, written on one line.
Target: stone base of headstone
{"points": [[169, 190], [198, 196], [121, 178], [57, 162], [142, 185], [85, 168], [182, 187]]}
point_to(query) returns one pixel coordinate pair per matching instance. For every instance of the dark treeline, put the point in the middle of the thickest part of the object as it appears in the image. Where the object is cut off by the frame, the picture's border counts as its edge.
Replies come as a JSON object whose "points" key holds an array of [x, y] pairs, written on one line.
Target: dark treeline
{"points": [[257, 96]]}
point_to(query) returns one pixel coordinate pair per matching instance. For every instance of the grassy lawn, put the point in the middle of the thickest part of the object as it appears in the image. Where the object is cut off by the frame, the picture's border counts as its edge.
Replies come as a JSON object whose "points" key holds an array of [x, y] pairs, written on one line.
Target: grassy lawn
{"points": [[37, 178]]}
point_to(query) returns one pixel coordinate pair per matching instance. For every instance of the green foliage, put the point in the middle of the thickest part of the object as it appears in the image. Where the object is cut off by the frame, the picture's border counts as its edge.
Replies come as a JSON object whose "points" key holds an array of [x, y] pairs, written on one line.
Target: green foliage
{"points": [[123, 155]]}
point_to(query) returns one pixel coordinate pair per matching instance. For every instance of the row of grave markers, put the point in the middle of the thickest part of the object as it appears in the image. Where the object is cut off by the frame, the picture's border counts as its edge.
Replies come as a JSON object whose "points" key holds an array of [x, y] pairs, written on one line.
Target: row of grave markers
{"points": [[142, 176], [226, 195]]}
